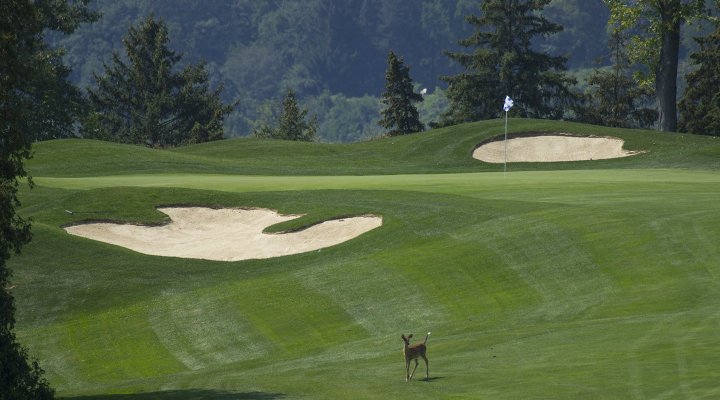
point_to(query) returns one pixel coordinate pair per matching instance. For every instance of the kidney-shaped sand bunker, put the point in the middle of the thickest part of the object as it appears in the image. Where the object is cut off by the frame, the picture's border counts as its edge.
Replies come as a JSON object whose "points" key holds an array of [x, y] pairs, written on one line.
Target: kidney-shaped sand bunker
{"points": [[551, 148], [228, 234]]}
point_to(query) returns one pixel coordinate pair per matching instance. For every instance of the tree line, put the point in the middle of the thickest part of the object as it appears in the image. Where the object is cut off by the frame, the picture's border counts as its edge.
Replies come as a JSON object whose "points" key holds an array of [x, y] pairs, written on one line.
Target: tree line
{"points": [[501, 59], [256, 51]]}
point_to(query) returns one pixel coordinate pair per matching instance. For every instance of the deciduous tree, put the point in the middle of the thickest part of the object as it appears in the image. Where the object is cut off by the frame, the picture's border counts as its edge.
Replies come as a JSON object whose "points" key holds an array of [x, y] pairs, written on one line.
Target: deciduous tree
{"points": [[400, 116], [655, 43], [32, 84], [614, 97]]}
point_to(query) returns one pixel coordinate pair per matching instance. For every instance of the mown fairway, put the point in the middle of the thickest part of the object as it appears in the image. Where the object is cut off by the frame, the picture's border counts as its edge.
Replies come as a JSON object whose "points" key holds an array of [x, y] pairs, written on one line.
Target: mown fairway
{"points": [[596, 279]]}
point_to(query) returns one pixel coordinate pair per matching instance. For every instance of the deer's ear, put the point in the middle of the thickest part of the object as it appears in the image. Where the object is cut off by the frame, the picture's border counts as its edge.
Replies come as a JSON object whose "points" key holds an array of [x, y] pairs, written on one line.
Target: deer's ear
{"points": [[402, 336], [410, 336]]}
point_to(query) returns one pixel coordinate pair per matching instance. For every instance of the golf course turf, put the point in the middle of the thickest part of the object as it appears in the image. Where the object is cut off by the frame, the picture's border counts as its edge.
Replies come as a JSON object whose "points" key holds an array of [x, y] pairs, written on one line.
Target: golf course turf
{"points": [[587, 279]]}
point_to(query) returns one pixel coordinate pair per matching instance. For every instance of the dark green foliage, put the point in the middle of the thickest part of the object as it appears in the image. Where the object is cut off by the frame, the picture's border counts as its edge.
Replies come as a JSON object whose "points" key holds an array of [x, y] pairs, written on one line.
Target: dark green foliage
{"points": [[35, 91], [291, 123], [36, 102], [400, 115], [346, 119], [502, 62], [614, 97], [56, 100], [146, 102], [700, 106], [257, 49], [655, 26], [583, 37], [20, 379]]}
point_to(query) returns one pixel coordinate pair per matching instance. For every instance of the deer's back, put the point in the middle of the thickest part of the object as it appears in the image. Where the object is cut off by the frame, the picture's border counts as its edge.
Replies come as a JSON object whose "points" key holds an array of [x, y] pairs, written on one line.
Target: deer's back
{"points": [[417, 348]]}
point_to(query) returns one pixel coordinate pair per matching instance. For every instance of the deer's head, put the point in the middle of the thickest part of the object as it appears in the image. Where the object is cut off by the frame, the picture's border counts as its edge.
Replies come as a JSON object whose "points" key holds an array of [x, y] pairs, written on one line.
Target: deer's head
{"points": [[406, 339]]}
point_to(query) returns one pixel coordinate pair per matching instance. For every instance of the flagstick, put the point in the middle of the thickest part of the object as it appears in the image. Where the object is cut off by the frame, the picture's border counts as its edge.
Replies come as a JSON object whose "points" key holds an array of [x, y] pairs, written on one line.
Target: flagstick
{"points": [[508, 105], [505, 163]]}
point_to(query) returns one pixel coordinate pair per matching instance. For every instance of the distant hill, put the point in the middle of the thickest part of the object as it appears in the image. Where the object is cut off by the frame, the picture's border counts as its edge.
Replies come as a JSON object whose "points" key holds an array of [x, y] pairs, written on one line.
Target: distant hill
{"points": [[331, 52]]}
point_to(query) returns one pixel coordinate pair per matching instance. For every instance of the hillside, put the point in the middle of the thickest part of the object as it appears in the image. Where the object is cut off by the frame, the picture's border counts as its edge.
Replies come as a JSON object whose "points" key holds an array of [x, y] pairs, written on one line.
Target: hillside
{"points": [[314, 45], [438, 151], [589, 279], [333, 53]]}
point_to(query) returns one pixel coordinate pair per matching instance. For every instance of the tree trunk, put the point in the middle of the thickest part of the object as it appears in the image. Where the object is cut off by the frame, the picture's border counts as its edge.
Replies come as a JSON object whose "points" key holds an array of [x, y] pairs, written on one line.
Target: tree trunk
{"points": [[666, 75]]}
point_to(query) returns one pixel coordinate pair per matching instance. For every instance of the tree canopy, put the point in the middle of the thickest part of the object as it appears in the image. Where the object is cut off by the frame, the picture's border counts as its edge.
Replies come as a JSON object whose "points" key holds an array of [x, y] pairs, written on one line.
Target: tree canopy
{"points": [[655, 43], [34, 97], [614, 98], [331, 52], [700, 105]]}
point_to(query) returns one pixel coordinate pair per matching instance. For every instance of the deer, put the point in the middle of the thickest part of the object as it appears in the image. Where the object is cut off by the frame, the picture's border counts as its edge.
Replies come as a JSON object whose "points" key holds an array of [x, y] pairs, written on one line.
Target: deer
{"points": [[413, 352]]}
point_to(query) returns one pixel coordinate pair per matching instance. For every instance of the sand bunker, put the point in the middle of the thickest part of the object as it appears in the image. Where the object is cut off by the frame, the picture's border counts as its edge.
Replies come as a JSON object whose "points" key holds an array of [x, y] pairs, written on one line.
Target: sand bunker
{"points": [[225, 234], [552, 148]]}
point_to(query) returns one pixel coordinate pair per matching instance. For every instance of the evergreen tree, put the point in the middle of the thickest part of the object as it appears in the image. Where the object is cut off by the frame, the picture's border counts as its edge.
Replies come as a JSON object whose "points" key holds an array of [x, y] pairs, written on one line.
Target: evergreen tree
{"points": [[700, 105], [32, 86], [291, 123], [58, 100], [400, 115], [502, 63], [615, 98], [146, 102]]}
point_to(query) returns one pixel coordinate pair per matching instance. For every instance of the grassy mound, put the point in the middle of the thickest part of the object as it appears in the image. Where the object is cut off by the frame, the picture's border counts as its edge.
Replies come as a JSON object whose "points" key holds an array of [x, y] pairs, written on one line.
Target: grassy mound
{"points": [[444, 150], [594, 279]]}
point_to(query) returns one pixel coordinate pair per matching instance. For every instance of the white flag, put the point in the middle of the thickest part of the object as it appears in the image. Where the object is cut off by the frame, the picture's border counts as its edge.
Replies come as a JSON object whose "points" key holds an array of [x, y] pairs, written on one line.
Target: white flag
{"points": [[508, 104]]}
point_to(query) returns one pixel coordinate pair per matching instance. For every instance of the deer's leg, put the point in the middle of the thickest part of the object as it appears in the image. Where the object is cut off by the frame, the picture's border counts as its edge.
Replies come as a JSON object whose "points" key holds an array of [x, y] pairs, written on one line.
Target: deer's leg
{"points": [[407, 369], [416, 364], [427, 367]]}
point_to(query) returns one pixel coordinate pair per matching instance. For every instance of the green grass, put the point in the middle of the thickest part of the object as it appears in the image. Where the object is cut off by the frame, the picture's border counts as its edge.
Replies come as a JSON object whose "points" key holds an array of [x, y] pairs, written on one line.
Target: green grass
{"points": [[439, 151], [554, 281]]}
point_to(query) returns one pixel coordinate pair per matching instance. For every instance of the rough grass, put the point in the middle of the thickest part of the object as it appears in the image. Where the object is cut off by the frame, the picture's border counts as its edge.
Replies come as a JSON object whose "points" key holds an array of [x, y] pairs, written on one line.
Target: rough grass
{"points": [[598, 281]]}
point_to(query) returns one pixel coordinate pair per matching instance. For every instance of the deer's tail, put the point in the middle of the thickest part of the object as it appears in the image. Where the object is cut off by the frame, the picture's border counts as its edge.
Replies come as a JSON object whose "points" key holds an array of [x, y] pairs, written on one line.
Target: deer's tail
{"points": [[426, 337]]}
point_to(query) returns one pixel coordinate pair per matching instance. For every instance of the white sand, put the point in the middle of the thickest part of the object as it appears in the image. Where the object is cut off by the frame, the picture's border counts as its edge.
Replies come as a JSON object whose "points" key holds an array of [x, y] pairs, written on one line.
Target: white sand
{"points": [[225, 234], [552, 148]]}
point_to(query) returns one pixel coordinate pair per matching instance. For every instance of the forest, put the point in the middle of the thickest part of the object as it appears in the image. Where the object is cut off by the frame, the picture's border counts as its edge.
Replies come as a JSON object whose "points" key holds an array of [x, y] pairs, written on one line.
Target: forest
{"points": [[332, 53]]}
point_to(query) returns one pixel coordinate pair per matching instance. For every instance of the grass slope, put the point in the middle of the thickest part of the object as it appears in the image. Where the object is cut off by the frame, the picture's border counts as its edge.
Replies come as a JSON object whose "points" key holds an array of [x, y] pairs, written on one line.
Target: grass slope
{"points": [[438, 151], [598, 281]]}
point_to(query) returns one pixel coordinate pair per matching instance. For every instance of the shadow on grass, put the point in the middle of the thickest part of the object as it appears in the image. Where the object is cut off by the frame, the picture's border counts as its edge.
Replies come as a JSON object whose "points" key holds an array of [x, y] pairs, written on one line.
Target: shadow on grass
{"points": [[191, 394], [431, 379]]}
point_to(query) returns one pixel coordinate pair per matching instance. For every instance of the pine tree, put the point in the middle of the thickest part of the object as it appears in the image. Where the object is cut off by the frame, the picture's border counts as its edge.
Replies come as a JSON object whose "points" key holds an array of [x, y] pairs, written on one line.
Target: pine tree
{"points": [[291, 123], [615, 98], [146, 102], [700, 105], [502, 62], [400, 115]]}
